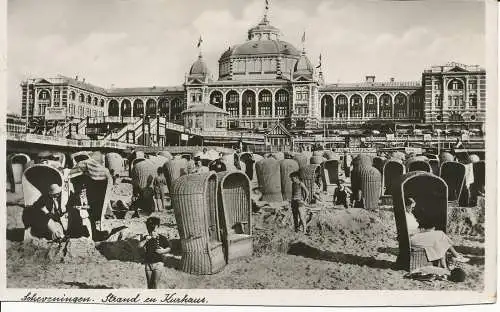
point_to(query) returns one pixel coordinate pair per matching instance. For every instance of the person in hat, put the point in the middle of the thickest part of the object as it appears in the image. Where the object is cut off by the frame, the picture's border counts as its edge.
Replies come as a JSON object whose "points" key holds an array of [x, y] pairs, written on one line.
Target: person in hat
{"points": [[46, 214], [153, 257]]}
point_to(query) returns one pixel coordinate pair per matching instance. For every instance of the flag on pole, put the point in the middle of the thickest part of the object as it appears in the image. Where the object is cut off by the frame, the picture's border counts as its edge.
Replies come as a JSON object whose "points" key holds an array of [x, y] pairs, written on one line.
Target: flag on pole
{"points": [[267, 4], [199, 42], [304, 37], [319, 61]]}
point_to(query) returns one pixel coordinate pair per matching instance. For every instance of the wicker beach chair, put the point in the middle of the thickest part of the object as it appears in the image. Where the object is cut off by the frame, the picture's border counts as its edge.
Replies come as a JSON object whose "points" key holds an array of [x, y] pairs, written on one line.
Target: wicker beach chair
{"points": [[328, 155], [140, 173], [61, 158], [453, 173], [434, 163], [371, 187], [36, 181], [431, 195], [393, 171], [79, 156], [445, 156], [287, 166], [378, 163], [16, 165], [194, 200], [301, 159], [173, 169], [418, 165], [316, 160], [269, 177], [330, 175], [235, 209], [114, 162], [309, 174], [165, 154]]}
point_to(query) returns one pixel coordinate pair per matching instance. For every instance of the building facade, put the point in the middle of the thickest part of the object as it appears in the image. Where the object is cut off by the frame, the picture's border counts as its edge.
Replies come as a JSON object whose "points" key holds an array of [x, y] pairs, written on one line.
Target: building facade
{"points": [[266, 80]]}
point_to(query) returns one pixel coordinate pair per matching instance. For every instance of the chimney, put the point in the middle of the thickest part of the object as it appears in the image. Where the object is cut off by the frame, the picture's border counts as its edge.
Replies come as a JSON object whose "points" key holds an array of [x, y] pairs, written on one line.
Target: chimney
{"points": [[83, 80], [392, 79], [370, 78], [76, 78]]}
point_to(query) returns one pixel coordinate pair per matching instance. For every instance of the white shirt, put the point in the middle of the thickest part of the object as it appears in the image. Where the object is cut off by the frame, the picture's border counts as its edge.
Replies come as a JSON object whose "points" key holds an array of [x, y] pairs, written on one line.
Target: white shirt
{"points": [[411, 223]]}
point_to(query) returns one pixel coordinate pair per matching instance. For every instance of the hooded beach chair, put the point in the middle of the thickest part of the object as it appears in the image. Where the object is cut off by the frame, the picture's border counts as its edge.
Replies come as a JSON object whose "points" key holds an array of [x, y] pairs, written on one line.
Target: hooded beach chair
{"points": [[430, 193], [435, 167], [330, 174], [235, 209], [36, 181], [16, 165], [453, 173], [195, 200], [393, 171], [418, 165]]}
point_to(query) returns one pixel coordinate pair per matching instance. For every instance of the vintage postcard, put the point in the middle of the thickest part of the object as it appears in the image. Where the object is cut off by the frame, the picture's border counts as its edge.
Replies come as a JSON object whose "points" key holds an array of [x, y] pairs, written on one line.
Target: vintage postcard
{"points": [[263, 152]]}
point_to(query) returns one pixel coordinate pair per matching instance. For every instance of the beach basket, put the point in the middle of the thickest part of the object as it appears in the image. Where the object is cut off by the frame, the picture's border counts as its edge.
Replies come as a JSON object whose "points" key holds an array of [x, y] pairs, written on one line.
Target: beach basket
{"points": [[165, 154], [362, 160], [16, 165], [287, 166], [316, 160], [114, 162], [378, 163], [61, 158], [445, 156], [453, 173], [418, 165], [173, 169], [393, 171], [194, 201], [431, 196], [278, 156], [232, 161], [473, 158], [301, 159], [79, 156], [328, 155], [434, 163], [235, 209], [140, 173], [269, 177], [36, 181], [479, 176], [398, 155], [308, 154], [330, 174], [309, 174], [371, 186]]}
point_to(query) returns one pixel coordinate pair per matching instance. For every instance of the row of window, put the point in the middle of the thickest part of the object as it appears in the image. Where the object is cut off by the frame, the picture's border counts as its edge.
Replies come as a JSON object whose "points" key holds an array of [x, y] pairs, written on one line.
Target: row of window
{"points": [[456, 85], [216, 97], [455, 101]]}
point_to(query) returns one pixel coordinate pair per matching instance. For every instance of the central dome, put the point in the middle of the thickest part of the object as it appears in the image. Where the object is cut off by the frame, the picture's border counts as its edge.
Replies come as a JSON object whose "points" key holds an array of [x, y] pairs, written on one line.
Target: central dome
{"points": [[264, 47], [199, 67]]}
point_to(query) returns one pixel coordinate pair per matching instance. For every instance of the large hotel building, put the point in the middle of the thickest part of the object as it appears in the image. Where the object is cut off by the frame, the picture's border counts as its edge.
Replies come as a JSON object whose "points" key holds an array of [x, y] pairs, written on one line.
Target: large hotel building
{"points": [[266, 81]]}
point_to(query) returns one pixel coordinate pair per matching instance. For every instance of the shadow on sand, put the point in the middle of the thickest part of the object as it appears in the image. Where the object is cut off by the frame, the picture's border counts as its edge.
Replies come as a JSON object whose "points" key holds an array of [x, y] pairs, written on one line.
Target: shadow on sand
{"points": [[304, 250], [87, 286]]}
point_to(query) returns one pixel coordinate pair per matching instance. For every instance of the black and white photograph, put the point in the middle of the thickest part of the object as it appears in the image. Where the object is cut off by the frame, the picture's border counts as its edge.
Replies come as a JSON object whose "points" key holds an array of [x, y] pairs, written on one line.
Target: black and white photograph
{"points": [[277, 145]]}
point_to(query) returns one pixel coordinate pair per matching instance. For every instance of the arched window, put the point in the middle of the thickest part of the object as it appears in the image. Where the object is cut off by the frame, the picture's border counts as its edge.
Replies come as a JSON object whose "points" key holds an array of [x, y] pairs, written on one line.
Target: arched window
{"points": [[44, 95], [151, 107], [400, 106], [81, 98], [138, 108], [455, 84], [96, 101], [385, 106], [113, 108], [89, 99], [126, 108], [233, 103], [102, 103], [164, 108], [72, 95], [327, 106], [438, 103], [370, 106], [341, 106], [248, 106], [282, 103], [415, 108], [177, 109], [265, 103], [216, 98], [356, 106], [473, 100]]}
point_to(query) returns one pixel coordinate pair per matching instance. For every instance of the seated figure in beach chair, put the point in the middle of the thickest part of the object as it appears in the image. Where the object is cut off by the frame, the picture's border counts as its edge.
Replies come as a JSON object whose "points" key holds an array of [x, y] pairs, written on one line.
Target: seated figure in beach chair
{"points": [[435, 243], [430, 193], [45, 194]]}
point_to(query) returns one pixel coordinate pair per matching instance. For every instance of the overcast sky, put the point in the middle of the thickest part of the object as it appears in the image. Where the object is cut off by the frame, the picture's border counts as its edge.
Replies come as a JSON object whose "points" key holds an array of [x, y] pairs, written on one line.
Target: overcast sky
{"points": [[153, 42]]}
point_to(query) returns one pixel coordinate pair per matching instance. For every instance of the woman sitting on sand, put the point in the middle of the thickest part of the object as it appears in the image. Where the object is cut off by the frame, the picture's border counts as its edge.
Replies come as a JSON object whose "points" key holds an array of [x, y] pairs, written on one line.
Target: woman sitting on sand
{"points": [[435, 243]]}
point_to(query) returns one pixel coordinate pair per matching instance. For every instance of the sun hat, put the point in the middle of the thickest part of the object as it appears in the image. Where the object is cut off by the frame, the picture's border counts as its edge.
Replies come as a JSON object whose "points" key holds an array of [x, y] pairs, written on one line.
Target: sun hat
{"points": [[54, 189]]}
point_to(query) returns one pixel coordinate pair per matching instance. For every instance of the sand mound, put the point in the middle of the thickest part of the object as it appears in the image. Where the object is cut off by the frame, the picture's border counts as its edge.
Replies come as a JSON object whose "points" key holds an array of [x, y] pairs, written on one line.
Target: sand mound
{"points": [[74, 251]]}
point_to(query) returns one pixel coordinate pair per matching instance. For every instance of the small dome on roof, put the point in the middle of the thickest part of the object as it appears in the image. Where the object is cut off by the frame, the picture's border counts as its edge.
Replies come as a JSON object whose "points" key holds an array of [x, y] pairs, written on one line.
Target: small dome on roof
{"points": [[303, 65], [199, 67]]}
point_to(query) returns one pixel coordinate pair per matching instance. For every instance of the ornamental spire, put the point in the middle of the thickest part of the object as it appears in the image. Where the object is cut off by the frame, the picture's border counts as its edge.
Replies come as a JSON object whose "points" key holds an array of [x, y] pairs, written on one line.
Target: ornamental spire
{"points": [[266, 10]]}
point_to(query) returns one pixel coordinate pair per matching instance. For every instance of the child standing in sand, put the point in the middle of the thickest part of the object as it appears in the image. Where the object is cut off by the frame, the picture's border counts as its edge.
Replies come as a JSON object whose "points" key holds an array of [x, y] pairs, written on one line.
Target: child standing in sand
{"points": [[300, 195], [153, 260], [340, 197]]}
